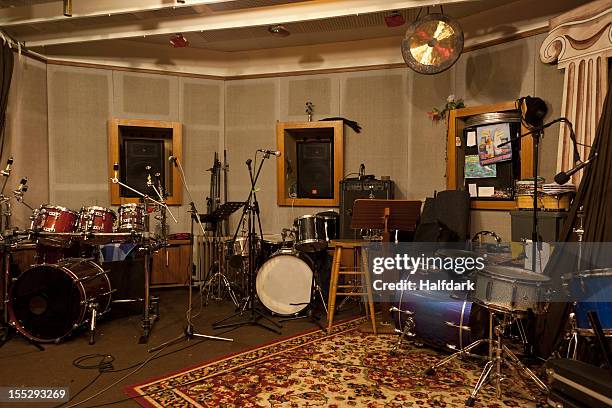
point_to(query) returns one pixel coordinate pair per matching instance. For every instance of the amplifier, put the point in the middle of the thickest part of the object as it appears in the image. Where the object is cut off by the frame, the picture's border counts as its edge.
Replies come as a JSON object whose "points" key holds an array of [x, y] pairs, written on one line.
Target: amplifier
{"points": [[351, 190]]}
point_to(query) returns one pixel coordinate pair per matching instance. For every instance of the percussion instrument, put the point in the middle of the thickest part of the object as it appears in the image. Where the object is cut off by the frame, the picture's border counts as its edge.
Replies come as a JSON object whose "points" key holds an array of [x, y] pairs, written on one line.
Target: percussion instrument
{"points": [[510, 289], [284, 283], [96, 219], [556, 202], [332, 224], [440, 319], [240, 247], [50, 218], [310, 233], [272, 243], [592, 290], [48, 302], [132, 217]]}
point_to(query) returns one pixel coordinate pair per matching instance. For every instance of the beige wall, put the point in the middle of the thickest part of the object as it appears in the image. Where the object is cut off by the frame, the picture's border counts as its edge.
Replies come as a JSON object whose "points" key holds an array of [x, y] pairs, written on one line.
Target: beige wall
{"points": [[397, 139], [26, 136], [82, 100]]}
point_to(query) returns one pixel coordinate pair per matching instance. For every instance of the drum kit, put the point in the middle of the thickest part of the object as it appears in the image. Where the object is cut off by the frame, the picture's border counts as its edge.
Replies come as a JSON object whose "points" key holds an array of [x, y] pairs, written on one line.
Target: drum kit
{"points": [[66, 288], [456, 321]]}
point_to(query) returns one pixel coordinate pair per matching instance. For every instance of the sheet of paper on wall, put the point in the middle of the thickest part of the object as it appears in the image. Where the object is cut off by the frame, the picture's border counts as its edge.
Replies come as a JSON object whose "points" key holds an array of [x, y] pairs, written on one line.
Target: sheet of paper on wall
{"points": [[489, 138], [471, 138], [473, 168], [473, 190], [486, 191]]}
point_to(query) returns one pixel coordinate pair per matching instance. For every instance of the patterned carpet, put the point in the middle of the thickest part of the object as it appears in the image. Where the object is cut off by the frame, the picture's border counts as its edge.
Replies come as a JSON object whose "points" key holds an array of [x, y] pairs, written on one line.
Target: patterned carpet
{"points": [[345, 369]]}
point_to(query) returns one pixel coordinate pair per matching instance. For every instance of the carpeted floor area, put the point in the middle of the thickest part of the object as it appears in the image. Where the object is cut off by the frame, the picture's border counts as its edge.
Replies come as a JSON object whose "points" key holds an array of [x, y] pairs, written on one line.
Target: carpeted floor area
{"points": [[347, 368]]}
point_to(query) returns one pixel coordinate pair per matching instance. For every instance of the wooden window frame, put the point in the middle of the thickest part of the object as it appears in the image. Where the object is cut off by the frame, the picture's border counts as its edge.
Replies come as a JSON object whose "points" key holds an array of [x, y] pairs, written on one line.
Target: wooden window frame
{"points": [[285, 200], [456, 124], [113, 157]]}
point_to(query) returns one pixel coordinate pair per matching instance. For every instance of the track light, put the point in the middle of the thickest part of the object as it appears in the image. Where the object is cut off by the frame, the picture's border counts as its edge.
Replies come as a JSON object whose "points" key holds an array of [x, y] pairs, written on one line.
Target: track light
{"points": [[68, 8]]}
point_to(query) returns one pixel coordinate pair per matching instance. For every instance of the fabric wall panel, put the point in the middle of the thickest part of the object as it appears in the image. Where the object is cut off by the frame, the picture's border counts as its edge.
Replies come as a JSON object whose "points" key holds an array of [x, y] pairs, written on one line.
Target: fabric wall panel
{"points": [[26, 136], [145, 96], [79, 109]]}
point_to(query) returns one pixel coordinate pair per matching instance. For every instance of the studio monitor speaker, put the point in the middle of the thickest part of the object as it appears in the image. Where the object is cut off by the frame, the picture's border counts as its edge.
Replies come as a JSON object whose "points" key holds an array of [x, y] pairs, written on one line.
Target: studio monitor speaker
{"points": [[315, 169], [137, 155]]}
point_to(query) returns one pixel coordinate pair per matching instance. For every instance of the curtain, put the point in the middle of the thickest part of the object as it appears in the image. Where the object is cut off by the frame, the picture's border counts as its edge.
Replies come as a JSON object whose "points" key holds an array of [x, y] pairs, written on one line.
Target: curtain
{"points": [[595, 197], [6, 74]]}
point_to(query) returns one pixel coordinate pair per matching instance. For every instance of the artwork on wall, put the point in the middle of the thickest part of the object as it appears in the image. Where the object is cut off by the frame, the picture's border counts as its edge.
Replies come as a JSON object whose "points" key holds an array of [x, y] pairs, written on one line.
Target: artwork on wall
{"points": [[473, 168], [489, 139]]}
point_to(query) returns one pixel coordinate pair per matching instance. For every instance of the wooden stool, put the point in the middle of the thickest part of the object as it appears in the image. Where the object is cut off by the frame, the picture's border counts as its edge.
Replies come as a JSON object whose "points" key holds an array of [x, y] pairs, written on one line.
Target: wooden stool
{"points": [[360, 269]]}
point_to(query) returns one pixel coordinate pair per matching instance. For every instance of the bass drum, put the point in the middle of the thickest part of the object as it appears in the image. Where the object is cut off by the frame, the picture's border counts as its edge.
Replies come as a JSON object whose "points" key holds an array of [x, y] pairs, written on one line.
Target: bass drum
{"points": [[47, 302], [284, 283], [441, 319]]}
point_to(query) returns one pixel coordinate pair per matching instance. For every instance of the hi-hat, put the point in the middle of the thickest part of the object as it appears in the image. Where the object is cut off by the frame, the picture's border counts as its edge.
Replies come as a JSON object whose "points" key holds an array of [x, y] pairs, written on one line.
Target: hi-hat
{"points": [[432, 44]]}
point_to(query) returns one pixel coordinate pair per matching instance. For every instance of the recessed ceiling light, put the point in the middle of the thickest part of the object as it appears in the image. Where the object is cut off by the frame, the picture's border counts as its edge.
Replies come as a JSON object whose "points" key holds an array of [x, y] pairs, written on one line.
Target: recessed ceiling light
{"points": [[279, 31]]}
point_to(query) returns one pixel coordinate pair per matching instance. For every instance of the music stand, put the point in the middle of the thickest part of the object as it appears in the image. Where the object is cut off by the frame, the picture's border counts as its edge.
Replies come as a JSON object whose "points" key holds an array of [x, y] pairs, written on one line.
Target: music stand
{"points": [[403, 215]]}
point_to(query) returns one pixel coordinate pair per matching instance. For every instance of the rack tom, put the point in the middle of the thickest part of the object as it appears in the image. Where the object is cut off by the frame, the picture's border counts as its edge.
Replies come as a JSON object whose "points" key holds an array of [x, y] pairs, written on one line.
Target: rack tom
{"points": [[310, 233], [96, 219], [52, 218], [132, 217]]}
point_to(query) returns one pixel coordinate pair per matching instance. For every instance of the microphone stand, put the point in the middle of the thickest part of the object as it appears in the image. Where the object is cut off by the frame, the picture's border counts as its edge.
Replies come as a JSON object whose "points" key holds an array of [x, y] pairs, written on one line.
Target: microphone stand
{"points": [[536, 134], [250, 212], [189, 332]]}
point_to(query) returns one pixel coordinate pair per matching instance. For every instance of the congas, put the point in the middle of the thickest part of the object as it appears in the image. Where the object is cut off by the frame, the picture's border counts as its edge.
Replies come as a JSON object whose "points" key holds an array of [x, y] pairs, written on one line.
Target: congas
{"points": [[52, 218], [132, 217], [48, 302], [310, 233], [96, 219], [511, 289], [284, 283], [592, 291]]}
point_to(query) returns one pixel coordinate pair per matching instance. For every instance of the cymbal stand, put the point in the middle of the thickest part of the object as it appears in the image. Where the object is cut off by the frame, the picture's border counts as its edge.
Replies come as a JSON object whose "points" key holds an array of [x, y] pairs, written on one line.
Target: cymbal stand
{"points": [[251, 214], [499, 355], [189, 332]]}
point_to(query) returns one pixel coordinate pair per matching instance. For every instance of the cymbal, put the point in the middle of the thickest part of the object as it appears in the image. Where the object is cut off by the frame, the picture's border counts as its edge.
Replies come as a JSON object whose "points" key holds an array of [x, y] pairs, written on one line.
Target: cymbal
{"points": [[432, 44]]}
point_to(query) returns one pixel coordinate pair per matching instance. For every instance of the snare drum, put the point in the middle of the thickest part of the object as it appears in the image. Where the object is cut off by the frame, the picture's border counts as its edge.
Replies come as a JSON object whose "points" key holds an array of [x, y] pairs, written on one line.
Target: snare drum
{"points": [[48, 302], [272, 243], [310, 233], [132, 217], [592, 290], [96, 219], [510, 289], [50, 218], [284, 283]]}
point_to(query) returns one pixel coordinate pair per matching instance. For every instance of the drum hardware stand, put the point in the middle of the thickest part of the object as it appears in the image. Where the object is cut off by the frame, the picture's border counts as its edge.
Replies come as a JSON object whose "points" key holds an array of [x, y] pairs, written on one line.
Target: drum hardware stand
{"points": [[250, 212], [500, 354], [407, 332], [189, 332]]}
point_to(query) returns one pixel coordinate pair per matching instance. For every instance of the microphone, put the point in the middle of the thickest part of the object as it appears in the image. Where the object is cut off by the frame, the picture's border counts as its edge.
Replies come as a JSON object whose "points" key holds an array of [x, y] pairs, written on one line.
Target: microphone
{"points": [[173, 159], [564, 176], [149, 181], [270, 152], [7, 170], [116, 171], [22, 187]]}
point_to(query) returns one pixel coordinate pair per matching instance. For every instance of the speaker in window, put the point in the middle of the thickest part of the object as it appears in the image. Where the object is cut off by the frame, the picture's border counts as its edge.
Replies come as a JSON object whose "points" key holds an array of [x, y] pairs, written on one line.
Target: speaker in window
{"points": [[137, 155], [315, 169]]}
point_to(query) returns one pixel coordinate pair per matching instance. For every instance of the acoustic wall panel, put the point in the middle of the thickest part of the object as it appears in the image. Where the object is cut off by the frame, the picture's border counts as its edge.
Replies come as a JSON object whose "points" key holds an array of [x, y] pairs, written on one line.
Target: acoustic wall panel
{"points": [[79, 109], [378, 101], [145, 96], [499, 73], [321, 91], [426, 141], [201, 113], [26, 136]]}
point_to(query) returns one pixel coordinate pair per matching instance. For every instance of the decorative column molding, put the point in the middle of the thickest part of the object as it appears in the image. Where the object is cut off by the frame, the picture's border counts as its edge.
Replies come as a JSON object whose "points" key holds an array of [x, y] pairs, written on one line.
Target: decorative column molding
{"points": [[580, 42]]}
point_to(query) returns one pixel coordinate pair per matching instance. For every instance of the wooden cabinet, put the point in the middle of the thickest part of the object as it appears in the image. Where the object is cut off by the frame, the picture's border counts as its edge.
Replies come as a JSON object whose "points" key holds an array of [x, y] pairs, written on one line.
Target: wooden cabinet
{"points": [[172, 265]]}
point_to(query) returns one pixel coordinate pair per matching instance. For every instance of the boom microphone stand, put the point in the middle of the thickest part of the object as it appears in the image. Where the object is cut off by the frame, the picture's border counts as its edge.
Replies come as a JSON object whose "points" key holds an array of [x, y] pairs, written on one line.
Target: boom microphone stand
{"points": [[251, 214], [189, 332]]}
